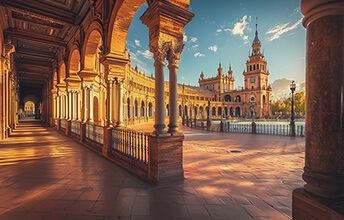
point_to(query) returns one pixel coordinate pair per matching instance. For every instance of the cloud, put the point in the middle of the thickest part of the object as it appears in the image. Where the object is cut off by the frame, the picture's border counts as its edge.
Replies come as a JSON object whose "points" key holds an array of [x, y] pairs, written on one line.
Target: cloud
{"points": [[193, 39], [146, 54], [281, 87], [213, 48], [278, 30], [142, 66], [185, 38], [195, 46], [137, 43], [198, 54], [239, 27], [218, 30]]}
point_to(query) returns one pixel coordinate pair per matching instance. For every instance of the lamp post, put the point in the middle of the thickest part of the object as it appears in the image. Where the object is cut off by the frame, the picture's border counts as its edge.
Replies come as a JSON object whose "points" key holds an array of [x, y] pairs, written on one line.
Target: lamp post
{"points": [[292, 121], [254, 131], [208, 116]]}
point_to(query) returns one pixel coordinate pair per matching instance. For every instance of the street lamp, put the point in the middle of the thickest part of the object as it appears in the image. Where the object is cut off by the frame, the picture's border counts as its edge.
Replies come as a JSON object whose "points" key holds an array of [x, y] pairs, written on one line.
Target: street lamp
{"points": [[292, 121]]}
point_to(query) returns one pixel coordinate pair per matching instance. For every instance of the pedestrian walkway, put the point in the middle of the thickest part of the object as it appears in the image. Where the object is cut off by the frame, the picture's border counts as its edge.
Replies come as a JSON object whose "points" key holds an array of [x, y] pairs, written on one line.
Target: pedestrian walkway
{"points": [[46, 175]]}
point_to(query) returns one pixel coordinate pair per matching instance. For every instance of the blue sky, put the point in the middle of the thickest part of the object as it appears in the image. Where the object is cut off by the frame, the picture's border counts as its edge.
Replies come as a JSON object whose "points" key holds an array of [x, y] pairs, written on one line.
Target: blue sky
{"points": [[223, 31]]}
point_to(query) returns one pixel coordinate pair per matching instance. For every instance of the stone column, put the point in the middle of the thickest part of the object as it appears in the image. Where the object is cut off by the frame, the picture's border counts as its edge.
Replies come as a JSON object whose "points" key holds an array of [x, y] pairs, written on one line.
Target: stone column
{"points": [[173, 57], [159, 53], [324, 164], [119, 84], [110, 101], [91, 104], [67, 105]]}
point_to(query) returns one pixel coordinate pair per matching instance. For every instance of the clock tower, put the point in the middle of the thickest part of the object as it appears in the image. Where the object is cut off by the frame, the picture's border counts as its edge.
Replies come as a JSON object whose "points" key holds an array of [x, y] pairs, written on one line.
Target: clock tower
{"points": [[256, 75]]}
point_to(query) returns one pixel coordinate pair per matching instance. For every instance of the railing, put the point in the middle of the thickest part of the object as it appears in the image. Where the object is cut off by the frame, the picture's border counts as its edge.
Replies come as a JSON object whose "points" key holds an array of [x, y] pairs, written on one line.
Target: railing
{"points": [[75, 127], [63, 123], [131, 144], [95, 133], [278, 129], [56, 121], [238, 128], [246, 127]]}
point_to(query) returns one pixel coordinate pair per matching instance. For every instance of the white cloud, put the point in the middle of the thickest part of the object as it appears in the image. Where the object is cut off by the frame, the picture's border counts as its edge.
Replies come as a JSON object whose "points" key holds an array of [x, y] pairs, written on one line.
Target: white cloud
{"points": [[218, 30], [198, 54], [281, 87], [146, 54], [185, 38], [213, 48], [239, 27], [195, 46], [278, 30], [193, 39], [137, 43], [245, 37], [142, 66]]}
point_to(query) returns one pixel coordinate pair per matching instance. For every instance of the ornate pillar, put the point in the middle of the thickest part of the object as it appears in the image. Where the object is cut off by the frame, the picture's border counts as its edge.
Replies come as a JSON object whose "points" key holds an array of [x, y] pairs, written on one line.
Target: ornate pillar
{"points": [[159, 53], [173, 58], [110, 102], [323, 193], [119, 103]]}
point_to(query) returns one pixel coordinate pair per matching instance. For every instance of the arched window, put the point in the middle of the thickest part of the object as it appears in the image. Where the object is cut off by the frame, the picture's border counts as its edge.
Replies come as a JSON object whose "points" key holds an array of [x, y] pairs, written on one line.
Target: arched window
{"points": [[250, 68], [128, 107], [219, 111], [142, 109], [254, 67], [237, 111], [150, 110], [231, 112], [257, 66], [264, 99], [226, 111], [213, 112], [238, 98], [228, 98], [136, 109], [252, 99]]}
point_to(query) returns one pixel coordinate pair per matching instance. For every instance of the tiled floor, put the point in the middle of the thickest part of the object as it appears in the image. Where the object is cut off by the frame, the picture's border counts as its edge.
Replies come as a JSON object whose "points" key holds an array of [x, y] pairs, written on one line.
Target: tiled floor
{"points": [[45, 175]]}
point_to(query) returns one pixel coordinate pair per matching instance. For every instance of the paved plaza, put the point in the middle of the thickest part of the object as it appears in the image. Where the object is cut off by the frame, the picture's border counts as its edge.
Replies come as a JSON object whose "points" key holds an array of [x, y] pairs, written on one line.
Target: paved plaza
{"points": [[46, 175]]}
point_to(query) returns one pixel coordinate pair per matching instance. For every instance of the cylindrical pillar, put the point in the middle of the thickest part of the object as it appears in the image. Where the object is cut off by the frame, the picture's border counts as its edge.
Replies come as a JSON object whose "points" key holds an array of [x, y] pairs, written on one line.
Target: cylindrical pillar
{"points": [[324, 164], [110, 101], [173, 111], [91, 105], [119, 103], [159, 125]]}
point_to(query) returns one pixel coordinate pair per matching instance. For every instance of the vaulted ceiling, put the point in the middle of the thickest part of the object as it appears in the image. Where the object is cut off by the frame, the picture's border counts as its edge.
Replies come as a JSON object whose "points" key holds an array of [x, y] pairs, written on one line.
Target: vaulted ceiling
{"points": [[39, 30]]}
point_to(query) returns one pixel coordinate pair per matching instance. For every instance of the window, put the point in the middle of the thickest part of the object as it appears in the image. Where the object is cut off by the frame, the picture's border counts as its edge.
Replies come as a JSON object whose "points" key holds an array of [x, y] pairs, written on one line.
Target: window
{"points": [[252, 87], [250, 68], [254, 67]]}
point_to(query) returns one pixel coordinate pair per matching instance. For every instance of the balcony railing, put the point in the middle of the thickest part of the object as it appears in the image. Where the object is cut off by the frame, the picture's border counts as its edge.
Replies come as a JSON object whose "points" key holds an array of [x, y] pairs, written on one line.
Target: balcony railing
{"points": [[95, 133], [131, 144]]}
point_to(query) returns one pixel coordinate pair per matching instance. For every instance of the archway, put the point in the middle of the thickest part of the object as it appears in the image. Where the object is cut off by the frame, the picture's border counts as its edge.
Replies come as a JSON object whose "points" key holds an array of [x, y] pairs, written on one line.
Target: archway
{"points": [[219, 111], [231, 112], [150, 110], [29, 109], [237, 111], [94, 41], [142, 109], [180, 110], [74, 62], [264, 99], [228, 98], [238, 98], [213, 112]]}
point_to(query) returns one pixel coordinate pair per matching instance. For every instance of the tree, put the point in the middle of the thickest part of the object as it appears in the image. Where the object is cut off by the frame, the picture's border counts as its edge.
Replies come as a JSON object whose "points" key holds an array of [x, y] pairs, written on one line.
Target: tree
{"points": [[282, 106]]}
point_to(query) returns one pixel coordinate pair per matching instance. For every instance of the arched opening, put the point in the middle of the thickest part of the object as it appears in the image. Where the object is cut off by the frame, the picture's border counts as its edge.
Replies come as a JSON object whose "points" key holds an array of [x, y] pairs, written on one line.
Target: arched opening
{"points": [[95, 110], [252, 99], [226, 111], [231, 112], [219, 111], [185, 110], [150, 110], [62, 74], [128, 108], [94, 41], [228, 98], [238, 98], [180, 110], [237, 111], [136, 109], [142, 109], [74, 62], [29, 109], [264, 99], [213, 112]]}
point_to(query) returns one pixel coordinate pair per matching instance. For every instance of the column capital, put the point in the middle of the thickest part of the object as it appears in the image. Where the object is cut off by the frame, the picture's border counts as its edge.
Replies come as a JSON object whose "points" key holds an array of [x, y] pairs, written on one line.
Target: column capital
{"points": [[315, 9], [174, 52], [159, 49]]}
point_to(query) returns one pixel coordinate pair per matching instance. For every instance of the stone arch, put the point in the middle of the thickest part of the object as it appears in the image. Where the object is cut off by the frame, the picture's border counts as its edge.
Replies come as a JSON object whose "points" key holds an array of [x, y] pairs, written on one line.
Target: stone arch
{"points": [[237, 111], [238, 98], [62, 73], [143, 109], [228, 98], [264, 99], [213, 112], [93, 41], [150, 109], [74, 61]]}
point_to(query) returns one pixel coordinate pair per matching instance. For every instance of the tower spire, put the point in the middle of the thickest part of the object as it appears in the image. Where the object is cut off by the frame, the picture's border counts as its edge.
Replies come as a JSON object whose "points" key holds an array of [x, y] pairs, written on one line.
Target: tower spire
{"points": [[256, 39]]}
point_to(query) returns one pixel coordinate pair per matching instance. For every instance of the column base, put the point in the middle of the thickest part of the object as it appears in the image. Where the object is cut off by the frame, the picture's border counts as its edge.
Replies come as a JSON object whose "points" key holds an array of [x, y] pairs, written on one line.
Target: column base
{"points": [[173, 129], [308, 206], [159, 130], [165, 158]]}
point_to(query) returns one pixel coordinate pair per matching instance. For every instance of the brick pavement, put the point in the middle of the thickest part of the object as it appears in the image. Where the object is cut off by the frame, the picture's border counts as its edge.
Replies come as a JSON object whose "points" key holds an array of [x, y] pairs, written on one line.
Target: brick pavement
{"points": [[45, 175]]}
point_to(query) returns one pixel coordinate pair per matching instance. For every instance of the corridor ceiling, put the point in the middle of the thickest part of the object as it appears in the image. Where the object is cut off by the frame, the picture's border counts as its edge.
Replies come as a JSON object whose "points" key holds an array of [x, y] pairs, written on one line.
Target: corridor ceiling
{"points": [[39, 30]]}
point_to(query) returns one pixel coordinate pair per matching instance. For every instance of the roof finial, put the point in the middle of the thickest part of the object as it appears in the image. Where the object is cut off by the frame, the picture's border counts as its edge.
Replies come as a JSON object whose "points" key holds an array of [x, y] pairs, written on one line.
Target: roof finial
{"points": [[256, 39], [256, 24]]}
